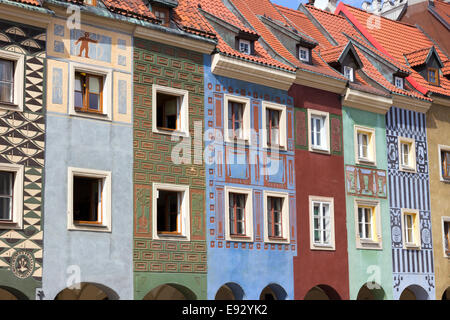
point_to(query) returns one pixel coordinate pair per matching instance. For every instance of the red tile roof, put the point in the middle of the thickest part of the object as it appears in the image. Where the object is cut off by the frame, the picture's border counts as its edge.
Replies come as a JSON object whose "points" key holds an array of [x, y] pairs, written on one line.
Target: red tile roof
{"points": [[418, 57], [397, 39], [446, 68], [130, 8], [443, 10], [31, 2]]}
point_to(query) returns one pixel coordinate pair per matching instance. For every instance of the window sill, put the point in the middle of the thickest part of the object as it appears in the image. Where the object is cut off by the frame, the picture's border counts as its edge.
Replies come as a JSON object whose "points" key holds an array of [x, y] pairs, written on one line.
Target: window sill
{"points": [[89, 227], [322, 247], [91, 115], [170, 132], [411, 247], [237, 238], [369, 245], [319, 150], [10, 225], [366, 162], [170, 237], [10, 106], [275, 147], [407, 169], [243, 142], [276, 240]]}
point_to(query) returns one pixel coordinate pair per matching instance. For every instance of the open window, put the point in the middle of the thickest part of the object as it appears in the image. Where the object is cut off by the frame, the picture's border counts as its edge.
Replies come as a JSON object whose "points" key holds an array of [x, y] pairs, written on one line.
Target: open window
{"points": [[407, 154], [170, 111], [11, 196], [411, 227], [11, 80], [274, 122], [171, 212], [88, 92], [89, 200], [239, 215], [365, 146]]}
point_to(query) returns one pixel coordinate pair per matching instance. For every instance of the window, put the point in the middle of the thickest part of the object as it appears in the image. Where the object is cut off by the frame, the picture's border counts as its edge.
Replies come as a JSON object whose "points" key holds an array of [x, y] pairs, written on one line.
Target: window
{"points": [[303, 54], [367, 223], [11, 196], [274, 121], [319, 131], [91, 89], [276, 217], [407, 154], [237, 115], [245, 46], [399, 82], [162, 14], [365, 145], [348, 73], [11, 80], [170, 112], [322, 223], [239, 216], [444, 160], [88, 92], [89, 200], [433, 76], [446, 234], [90, 2], [171, 212], [410, 225]]}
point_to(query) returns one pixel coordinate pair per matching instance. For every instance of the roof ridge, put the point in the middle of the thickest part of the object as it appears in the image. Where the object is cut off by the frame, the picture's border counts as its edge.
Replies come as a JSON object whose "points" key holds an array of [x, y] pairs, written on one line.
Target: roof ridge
{"points": [[320, 10]]}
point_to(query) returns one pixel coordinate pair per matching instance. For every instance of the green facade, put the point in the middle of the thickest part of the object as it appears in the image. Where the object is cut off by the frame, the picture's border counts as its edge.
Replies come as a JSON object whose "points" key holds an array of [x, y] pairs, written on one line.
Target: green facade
{"points": [[367, 265], [180, 264]]}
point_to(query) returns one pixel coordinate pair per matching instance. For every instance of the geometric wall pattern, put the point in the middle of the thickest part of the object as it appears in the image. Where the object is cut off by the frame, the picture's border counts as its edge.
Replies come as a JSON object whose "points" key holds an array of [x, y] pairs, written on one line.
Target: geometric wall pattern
{"points": [[411, 191], [22, 142], [177, 68]]}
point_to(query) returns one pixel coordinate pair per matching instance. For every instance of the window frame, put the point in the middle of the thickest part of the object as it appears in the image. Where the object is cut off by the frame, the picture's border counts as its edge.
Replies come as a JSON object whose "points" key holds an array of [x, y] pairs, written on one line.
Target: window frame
{"points": [[322, 200], [85, 107], [411, 154], [285, 217], [248, 42], [326, 127], [183, 131], [351, 77], [106, 106], [282, 125], [18, 80], [445, 219], [305, 49], [416, 228], [436, 75], [16, 222], [376, 242], [441, 149], [371, 145], [402, 81], [248, 215], [104, 225], [246, 129], [185, 214]]}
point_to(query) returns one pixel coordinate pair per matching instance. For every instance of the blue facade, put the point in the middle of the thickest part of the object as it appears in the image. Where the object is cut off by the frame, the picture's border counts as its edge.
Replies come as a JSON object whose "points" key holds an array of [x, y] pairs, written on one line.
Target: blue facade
{"points": [[412, 268], [249, 266]]}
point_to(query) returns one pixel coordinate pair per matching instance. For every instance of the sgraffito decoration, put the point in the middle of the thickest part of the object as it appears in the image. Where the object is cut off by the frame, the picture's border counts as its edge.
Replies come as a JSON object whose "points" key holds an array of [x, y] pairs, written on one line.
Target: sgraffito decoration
{"points": [[22, 142], [409, 190], [366, 182]]}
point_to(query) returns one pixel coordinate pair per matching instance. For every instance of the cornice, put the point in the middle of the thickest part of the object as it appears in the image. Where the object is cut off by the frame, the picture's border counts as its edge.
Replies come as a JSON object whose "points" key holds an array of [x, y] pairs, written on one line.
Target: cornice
{"points": [[320, 81], [366, 101]]}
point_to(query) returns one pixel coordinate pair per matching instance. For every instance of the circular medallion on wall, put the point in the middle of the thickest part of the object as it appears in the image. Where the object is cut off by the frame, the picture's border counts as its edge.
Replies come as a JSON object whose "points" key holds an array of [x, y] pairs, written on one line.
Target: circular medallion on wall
{"points": [[426, 238], [22, 264], [396, 234]]}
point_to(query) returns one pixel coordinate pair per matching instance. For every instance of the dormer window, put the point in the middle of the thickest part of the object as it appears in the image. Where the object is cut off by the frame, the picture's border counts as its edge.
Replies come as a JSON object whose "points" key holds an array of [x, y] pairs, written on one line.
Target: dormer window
{"points": [[245, 46], [90, 2], [303, 54], [433, 76], [399, 82], [348, 73]]}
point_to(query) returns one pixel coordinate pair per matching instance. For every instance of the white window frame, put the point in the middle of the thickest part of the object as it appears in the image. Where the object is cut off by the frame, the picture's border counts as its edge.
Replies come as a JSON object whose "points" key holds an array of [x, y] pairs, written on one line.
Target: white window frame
{"points": [[399, 82], [185, 216], [440, 149], [283, 124], [246, 129], [183, 131], [443, 220], [376, 242], [325, 136], [248, 214], [304, 49], [323, 200], [247, 42], [416, 229], [351, 75], [106, 91], [17, 203], [411, 154], [371, 145], [105, 226], [19, 67], [284, 217]]}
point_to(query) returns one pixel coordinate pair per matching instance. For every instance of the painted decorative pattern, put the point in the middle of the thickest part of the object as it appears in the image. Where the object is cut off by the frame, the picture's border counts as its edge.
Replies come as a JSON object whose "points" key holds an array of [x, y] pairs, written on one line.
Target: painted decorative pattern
{"points": [[22, 142], [181, 69], [366, 182]]}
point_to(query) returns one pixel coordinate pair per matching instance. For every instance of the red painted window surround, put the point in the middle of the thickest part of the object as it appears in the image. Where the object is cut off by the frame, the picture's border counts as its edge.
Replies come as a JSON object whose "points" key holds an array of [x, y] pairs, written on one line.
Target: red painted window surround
{"points": [[342, 8]]}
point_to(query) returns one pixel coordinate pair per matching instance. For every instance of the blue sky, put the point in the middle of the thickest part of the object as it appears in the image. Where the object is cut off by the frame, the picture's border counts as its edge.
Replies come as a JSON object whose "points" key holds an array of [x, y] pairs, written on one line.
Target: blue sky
{"points": [[294, 3]]}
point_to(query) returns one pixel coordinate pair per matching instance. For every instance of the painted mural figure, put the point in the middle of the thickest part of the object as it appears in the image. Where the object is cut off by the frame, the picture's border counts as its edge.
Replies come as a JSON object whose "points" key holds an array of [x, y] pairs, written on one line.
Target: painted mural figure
{"points": [[85, 44]]}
